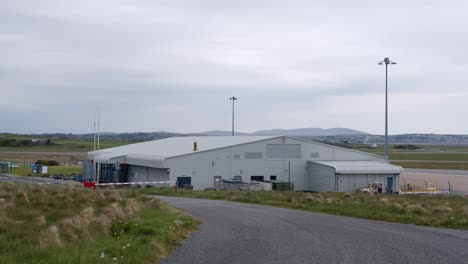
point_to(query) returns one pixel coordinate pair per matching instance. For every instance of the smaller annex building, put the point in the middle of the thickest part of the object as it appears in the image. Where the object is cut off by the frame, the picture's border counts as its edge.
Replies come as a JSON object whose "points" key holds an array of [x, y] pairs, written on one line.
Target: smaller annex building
{"points": [[202, 161]]}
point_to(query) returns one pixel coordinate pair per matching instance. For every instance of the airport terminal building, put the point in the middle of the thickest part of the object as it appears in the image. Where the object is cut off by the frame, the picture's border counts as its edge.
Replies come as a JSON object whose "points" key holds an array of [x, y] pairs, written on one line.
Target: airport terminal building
{"points": [[201, 161]]}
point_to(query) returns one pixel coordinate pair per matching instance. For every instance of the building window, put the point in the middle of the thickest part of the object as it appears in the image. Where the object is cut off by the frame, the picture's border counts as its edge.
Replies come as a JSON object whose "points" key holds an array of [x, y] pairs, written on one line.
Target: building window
{"points": [[253, 155], [256, 178], [315, 155], [283, 151], [236, 156], [272, 177]]}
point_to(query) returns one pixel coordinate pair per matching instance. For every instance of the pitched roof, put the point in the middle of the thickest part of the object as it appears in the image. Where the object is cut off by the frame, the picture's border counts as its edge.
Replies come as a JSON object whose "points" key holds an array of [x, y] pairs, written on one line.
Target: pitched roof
{"points": [[361, 167], [175, 146]]}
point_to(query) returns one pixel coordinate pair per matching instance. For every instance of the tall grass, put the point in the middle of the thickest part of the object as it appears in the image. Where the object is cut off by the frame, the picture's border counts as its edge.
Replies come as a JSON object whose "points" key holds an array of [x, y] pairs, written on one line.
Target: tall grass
{"points": [[41, 224], [438, 211]]}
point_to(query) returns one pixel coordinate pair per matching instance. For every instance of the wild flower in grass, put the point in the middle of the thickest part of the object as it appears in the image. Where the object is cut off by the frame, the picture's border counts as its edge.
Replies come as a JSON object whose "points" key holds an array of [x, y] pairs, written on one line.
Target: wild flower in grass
{"points": [[178, 222], [102, 255]]}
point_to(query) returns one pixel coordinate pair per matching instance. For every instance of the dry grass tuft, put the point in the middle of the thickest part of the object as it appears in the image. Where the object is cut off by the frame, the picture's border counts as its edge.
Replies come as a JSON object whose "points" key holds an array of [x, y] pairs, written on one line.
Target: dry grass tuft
{"points": [[398, 206], [40, 220], [113, 196], [314, 198], [25, 197], [3, 217], [385, 201], [50, 237], [3, 203], [159, 248], [131, 208], [100, 195], [71, 227], [87, 216], [77, 226], [465, 210], [114, 211], [155, 203], [104, 223], [417, 208], [442, 209], [348, 195]]}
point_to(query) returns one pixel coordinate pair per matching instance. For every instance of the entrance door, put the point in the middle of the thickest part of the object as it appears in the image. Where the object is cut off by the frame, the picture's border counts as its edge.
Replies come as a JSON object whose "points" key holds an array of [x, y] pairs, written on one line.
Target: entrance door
{"points": [[390, 184], [181, 181], [216, 182]]}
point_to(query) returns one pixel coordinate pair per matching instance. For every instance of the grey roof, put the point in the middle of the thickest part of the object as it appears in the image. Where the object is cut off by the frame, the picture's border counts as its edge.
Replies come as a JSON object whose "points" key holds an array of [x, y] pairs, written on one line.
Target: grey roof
{"points": [[158, 150], [361, 167]]}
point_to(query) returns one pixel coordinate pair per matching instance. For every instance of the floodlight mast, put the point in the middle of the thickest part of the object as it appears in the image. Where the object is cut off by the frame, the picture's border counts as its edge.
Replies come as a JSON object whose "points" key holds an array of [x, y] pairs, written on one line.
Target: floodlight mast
{"points": [[386, 61], [233, 99]]}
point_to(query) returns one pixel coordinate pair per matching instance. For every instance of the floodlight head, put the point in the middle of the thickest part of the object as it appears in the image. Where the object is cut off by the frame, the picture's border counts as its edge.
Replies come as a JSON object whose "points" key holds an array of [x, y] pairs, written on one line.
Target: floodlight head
{"points": [[380, 63]]}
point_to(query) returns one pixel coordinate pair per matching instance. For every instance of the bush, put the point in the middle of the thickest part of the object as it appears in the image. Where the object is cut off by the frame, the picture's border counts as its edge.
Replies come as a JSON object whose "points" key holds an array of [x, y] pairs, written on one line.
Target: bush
{"points": [[48, 162]]}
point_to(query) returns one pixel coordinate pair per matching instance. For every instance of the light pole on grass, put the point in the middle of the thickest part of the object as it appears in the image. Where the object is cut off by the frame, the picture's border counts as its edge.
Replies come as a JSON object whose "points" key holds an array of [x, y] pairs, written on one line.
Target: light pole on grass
{"points": [[233, 99], [386, 61]]}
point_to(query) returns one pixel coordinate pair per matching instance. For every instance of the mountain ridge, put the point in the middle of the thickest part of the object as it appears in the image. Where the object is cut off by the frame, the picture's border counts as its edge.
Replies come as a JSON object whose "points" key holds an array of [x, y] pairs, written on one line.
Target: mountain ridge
{"points": [[310, 131]]}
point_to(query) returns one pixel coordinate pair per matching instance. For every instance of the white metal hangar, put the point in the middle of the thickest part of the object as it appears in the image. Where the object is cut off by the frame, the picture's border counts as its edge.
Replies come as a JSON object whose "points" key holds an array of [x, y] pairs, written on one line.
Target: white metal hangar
{"points": [[199, 161]]}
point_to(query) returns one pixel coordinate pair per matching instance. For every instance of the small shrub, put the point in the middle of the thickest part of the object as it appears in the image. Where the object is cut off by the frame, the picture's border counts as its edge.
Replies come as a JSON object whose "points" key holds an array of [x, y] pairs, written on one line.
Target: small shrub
{"points": [[48, 162]]}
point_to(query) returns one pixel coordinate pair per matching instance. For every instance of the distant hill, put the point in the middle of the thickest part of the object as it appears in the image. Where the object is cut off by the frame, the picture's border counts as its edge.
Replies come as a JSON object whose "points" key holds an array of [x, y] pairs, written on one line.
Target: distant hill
{"points": [[223, 133], [291, 132], [333, 135], [314, 131]]}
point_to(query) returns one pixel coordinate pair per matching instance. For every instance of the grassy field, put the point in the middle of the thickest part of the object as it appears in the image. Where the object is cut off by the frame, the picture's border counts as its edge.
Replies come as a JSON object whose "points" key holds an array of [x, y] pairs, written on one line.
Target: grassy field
{"points": [[440, 157], [422, 158], [438, 211], [70, 145], [73, 225], [64, 170]]}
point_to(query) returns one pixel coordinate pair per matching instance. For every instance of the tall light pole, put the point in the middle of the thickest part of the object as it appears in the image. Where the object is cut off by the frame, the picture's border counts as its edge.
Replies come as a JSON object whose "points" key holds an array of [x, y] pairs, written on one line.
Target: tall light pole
{"points": [[233, 99], [386, 61]]}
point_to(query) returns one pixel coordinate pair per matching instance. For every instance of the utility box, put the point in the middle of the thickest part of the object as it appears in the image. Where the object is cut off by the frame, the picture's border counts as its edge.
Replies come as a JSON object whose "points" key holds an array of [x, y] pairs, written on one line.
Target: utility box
{"points": [[282, 186]]}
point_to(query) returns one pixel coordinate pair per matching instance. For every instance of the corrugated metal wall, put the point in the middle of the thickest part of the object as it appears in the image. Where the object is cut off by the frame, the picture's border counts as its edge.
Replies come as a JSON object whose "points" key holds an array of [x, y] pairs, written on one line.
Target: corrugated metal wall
{"points": [[353, 182], [146, 174], [321, 178]]}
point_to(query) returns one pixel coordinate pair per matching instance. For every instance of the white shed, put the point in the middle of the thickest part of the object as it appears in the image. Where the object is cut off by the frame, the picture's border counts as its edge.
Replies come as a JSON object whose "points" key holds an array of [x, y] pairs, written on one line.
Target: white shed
{"points": [[348, 176]]}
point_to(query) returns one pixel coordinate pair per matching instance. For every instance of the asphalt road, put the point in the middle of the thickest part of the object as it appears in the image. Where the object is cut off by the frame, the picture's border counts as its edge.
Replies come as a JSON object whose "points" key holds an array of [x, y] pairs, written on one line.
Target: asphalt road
{"points": [[447, 172], [245, 233], [36, 180]]}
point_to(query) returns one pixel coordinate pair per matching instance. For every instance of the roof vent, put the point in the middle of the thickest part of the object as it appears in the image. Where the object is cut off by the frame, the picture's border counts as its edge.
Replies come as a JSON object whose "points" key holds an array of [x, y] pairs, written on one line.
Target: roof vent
{"points": [[194, 146]]}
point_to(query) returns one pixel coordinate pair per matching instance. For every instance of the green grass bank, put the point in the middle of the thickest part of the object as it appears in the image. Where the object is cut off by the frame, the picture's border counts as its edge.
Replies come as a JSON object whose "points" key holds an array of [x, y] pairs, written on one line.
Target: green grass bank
{"points": [[437, 211], [41, 224]]}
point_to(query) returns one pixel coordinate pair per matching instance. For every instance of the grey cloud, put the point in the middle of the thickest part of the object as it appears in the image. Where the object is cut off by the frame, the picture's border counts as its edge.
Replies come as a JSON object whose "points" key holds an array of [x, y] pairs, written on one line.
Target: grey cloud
{"points": [[177, 62]]}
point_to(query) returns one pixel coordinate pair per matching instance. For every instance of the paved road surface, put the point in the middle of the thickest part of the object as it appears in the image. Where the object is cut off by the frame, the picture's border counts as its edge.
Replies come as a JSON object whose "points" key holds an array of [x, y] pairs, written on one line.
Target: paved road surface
{"points": [[46, 153], [448, 172], [245, 233], [457, 178], [36, 180]]}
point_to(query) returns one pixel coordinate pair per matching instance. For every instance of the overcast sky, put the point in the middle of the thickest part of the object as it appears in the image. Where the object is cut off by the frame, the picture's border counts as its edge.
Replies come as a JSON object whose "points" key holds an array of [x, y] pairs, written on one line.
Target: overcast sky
{"points": [[149, 65]]}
